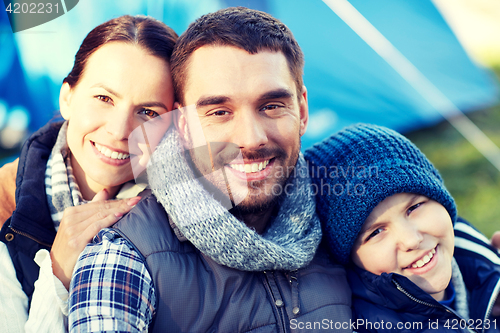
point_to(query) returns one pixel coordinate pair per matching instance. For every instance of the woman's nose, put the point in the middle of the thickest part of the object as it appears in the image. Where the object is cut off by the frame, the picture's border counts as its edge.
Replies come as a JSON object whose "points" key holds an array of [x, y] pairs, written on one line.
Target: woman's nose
{"points": [[119, 125]]}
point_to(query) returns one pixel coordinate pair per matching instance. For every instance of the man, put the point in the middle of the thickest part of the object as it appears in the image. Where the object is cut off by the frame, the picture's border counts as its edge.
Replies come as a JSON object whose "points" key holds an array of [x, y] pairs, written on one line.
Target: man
{"points": [[181, 261]]}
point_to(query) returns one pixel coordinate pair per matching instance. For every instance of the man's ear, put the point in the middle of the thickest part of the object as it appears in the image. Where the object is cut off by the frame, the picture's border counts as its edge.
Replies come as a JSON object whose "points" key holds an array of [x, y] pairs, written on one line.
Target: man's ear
{"points": [[180, 121], [304, 111], [177, 109], [65, 100]]}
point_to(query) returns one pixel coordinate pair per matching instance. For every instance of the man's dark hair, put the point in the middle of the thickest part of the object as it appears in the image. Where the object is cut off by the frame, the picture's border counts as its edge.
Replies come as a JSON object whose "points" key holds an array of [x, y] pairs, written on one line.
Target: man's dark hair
{"points": [[247, 29]]}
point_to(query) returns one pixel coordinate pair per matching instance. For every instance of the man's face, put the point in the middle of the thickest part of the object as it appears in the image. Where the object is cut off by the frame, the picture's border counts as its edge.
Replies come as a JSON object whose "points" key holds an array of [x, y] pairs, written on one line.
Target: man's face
{"points": [[251, 102]]}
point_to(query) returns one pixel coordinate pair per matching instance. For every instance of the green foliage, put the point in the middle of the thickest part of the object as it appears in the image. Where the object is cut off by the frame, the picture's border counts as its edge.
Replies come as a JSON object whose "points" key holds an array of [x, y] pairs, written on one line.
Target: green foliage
{"points": [[471, 179]]}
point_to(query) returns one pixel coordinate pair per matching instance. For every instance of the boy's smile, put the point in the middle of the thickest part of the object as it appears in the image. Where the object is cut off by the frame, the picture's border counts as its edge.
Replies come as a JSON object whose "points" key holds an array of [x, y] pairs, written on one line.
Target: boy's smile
{"points": [[410, 235], [424, 261]]}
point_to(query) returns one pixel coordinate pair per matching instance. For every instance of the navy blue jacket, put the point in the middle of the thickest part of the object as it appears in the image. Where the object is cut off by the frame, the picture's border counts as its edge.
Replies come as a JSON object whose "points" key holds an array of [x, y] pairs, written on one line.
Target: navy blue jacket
{"points": [[196, 294], [391, 298], [30, 228]]}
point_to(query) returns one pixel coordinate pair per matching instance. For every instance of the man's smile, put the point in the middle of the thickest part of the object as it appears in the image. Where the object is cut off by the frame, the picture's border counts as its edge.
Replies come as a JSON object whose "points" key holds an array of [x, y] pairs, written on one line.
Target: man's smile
{"points": [[250, 167]]}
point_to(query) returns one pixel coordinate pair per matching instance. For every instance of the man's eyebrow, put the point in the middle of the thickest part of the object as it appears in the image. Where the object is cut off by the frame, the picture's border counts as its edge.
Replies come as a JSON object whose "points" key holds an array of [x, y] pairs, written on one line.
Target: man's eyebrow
{"points": [[276, 94], [211, 100], [108, 89]]}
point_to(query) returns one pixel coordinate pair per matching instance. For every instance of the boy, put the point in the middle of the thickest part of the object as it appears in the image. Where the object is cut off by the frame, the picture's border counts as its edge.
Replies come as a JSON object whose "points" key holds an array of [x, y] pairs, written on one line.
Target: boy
{"points": [[387, 215]]}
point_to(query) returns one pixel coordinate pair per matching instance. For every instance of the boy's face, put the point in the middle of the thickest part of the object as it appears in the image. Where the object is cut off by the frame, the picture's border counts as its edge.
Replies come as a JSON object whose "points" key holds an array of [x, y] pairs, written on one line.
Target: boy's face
{"points": [[410, 235]]}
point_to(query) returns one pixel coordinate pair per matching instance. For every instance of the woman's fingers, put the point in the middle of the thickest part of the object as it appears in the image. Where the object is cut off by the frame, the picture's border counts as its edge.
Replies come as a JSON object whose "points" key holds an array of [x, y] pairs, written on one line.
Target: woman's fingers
{"points": [[93, 228], [101, 213], [78, 226], [101, 195], [99, 209], [495, 240]]}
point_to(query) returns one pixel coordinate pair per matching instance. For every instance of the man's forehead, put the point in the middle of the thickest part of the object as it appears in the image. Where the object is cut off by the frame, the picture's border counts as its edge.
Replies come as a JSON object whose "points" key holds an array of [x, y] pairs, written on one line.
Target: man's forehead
{"points": [[232, 58], [228, 68]]}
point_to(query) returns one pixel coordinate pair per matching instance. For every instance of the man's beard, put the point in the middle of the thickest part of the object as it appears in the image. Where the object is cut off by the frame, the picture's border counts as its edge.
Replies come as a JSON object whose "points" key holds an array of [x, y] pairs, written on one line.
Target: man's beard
{"points": [[216, 156]]}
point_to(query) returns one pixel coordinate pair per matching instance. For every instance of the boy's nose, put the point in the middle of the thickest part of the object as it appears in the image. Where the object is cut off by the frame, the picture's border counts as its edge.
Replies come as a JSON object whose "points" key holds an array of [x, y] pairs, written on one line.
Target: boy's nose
{"points": [[409, 237]]}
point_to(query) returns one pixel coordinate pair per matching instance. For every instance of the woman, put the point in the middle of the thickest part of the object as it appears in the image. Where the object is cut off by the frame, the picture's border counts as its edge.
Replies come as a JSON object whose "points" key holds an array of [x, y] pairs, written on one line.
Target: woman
{"points": [[120, 80]]}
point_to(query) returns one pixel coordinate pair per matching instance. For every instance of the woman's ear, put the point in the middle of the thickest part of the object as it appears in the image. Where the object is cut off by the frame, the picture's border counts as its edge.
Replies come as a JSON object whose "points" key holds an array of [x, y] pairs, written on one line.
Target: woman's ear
{"points": [[65, 100]]}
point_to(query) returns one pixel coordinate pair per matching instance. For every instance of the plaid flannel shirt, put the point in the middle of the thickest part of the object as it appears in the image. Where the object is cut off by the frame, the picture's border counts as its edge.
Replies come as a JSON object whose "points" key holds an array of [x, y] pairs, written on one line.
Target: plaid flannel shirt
{"points": [[111, 289]]}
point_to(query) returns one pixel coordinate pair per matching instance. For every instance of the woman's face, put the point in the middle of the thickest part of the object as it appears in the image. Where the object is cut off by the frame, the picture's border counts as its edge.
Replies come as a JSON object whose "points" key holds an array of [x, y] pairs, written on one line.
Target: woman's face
{"points": [[121, 88]]}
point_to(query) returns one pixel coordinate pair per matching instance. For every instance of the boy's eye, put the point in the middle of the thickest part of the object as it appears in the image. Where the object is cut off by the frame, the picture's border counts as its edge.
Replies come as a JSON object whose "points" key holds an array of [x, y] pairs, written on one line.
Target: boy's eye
{"points": [[373, 234], [412, 208], [103, 98]]}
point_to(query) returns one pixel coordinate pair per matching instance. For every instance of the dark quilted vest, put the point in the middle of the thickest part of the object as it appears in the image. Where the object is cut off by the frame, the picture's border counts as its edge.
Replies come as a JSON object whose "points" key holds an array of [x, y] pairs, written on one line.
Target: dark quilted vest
{"points": [[30, 228], [195, 294]]}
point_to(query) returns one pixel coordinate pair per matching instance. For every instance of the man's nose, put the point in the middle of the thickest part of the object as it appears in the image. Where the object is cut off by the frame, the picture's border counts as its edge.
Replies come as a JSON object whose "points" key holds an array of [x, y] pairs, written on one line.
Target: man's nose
{"points": [[250, 131]]}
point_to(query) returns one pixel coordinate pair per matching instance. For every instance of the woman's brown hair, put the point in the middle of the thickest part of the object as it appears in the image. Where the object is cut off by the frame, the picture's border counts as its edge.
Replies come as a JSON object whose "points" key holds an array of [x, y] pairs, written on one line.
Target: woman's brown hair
{"points": [[152, 35]]}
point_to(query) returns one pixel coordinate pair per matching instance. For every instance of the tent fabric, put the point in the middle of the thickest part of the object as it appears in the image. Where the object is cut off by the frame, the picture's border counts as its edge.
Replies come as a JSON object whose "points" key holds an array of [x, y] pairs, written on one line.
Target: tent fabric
{"points": [[347, 80]]}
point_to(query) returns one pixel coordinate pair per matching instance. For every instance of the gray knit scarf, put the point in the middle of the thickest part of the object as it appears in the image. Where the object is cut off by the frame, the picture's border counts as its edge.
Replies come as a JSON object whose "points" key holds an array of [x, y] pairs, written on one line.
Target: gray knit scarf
{"points": [[289, 242]]}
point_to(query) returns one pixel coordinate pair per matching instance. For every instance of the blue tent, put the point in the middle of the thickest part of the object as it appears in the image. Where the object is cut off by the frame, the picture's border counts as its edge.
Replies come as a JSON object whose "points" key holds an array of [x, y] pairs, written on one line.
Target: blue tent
{"points": [[390, 62]]}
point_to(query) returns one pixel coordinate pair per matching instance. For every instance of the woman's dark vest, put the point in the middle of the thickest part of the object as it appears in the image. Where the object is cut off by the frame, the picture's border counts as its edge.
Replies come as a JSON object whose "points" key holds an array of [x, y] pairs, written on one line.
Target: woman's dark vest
{"points": [[195, 294], [30, 228]]}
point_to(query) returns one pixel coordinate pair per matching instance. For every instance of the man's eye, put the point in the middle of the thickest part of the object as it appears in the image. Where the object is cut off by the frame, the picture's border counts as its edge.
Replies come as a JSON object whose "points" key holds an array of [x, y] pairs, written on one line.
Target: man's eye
{"points": [[103, 98], [219, 113], [149, 113], [270, 107]]}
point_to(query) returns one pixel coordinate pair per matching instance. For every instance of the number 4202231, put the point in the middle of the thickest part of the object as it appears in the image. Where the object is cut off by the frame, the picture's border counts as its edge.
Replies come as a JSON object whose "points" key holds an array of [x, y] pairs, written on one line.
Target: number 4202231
{"points": [[32, 8]]}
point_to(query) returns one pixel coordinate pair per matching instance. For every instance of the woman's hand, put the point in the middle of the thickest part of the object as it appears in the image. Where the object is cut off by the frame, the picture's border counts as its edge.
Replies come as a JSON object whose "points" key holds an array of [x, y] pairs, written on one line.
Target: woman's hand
{"points": [[495, 241], [79, 225]]}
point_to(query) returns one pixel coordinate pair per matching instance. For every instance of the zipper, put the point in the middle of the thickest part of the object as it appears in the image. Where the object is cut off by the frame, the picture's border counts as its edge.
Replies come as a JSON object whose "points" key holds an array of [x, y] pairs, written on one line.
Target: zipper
{"points": [[398, 286], [30, 237], [277, 303], [401, 289], [492, 301], [294, 283]]}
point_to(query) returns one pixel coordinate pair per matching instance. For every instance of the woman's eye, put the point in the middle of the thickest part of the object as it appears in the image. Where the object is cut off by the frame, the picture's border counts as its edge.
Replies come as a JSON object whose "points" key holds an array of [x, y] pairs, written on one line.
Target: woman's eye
{"points": [[103, 98], [149, 113]]}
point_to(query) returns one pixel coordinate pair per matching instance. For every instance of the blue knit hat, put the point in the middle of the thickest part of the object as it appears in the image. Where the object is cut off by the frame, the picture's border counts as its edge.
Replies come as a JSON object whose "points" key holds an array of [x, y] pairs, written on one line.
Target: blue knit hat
{"points": [[356, 169]]}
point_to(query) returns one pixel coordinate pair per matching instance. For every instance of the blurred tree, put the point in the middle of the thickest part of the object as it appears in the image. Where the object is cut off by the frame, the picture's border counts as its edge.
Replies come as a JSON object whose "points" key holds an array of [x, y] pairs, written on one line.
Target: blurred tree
{"points": [[472, 180]]}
